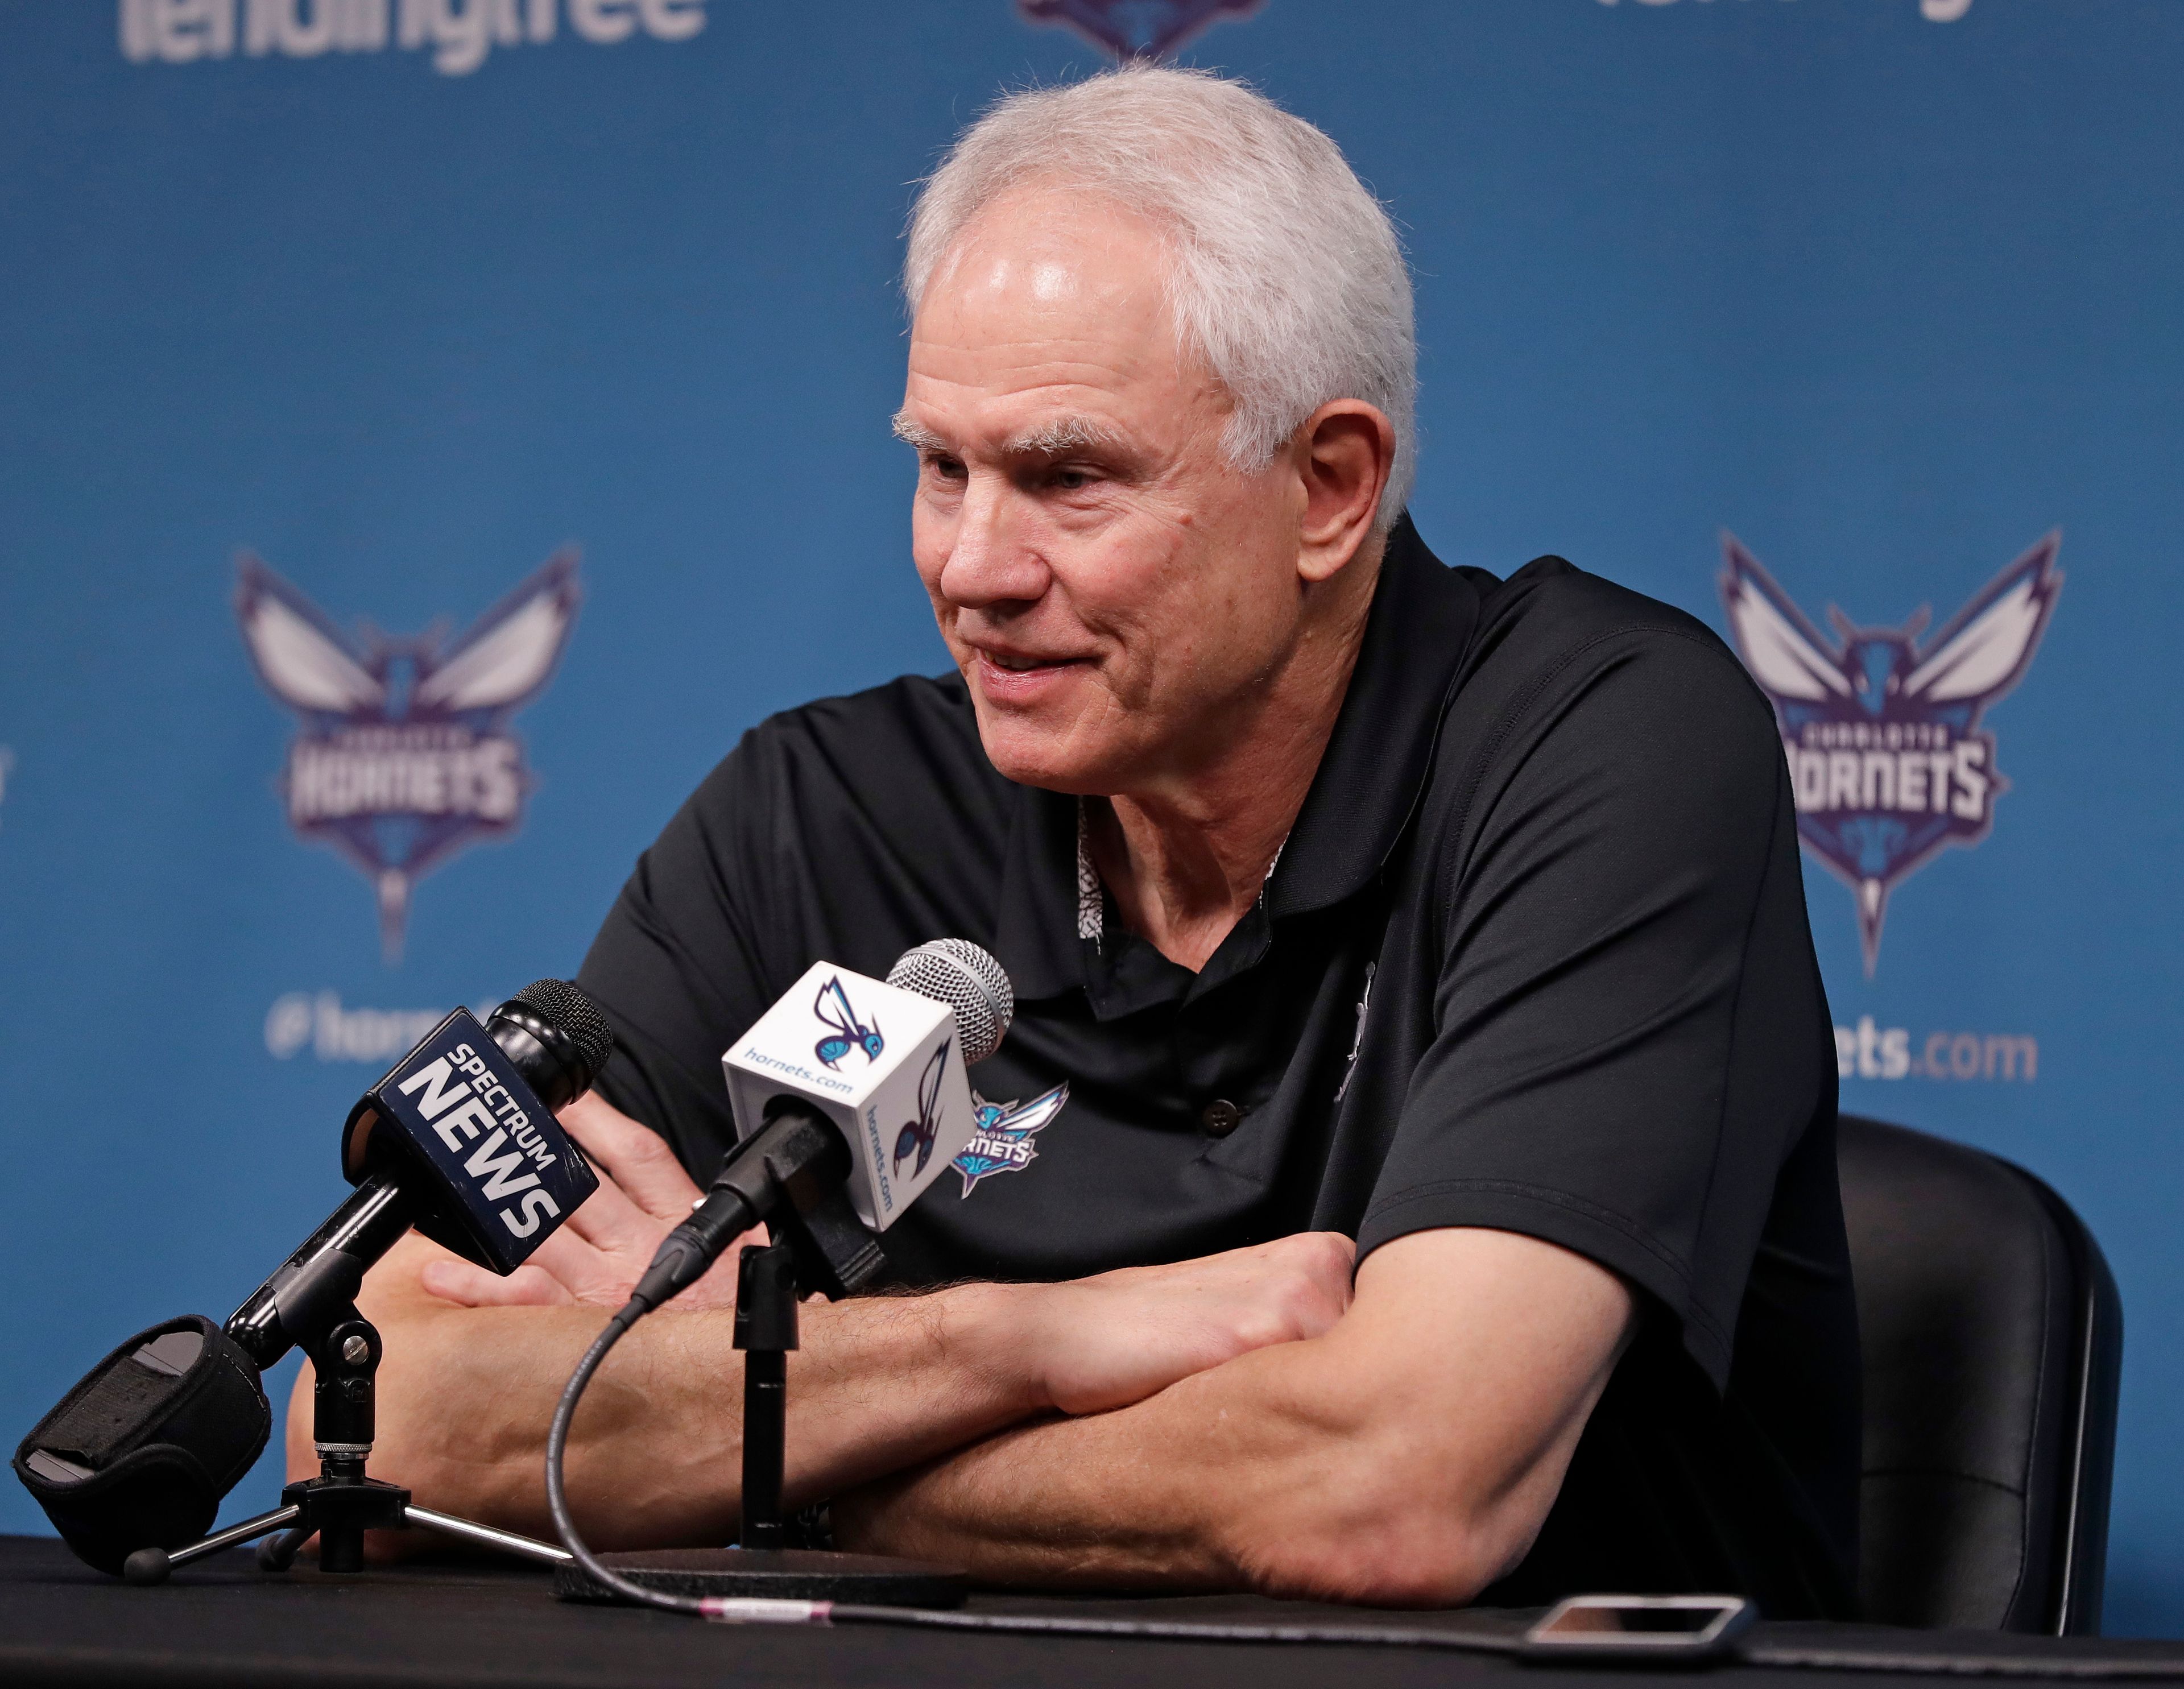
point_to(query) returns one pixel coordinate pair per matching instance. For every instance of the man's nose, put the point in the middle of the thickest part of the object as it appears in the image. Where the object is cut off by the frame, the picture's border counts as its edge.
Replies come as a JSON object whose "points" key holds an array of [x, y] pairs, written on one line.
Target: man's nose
{"points": [[992, 561]]}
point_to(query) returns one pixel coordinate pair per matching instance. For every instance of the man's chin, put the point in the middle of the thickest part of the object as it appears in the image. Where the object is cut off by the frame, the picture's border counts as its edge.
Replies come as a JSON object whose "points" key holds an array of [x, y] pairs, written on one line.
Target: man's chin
{"points": [[1051, 761]]}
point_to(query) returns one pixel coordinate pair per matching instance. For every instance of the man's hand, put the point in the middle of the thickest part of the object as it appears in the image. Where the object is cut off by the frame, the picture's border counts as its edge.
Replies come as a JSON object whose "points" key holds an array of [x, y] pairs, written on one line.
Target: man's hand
{"points": [[1107, 1341], [600, 1254]]}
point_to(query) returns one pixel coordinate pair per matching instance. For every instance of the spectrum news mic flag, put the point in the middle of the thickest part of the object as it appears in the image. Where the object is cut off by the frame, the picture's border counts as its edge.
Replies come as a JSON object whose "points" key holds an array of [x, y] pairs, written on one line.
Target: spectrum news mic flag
{"points": [[459, 1141]]}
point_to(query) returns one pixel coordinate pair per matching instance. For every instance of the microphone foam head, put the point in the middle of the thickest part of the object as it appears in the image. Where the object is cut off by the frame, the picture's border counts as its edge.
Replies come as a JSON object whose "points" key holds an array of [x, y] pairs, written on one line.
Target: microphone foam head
{"points": [[561, 1005], [967, 977]]}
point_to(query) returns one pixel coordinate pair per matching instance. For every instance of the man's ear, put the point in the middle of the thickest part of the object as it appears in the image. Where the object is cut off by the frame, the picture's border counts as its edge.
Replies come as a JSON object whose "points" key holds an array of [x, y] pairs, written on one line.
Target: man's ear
{"points": [[1346, 451]]}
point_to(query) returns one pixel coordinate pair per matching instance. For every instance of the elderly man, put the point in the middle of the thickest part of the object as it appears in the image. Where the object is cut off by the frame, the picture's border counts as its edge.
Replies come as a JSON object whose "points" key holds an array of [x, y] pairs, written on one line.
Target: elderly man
{"points": [[1353, 904]]}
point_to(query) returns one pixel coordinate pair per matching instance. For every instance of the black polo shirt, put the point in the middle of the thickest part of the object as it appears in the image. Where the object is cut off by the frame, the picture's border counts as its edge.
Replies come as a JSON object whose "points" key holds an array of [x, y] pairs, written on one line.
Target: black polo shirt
{"points": [[1533, 957]]}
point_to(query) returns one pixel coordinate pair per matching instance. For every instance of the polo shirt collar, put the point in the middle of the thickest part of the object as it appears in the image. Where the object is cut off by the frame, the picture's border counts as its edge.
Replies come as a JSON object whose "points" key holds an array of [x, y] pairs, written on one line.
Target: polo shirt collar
{"points": [[1035, 924], [1366, 785], [1377, 759]]}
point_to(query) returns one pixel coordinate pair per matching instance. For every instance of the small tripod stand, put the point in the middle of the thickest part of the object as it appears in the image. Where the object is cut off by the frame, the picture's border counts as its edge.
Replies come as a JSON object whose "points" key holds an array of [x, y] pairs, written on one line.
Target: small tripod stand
{"points": [[341, 1502]]}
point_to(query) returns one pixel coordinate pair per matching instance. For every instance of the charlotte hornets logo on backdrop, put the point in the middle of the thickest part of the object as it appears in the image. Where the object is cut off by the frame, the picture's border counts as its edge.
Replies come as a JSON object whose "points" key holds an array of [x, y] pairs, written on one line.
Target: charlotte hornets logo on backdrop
{"points": [[1004, 1143], [1136, 29], [1882, 730], [404, 756]]}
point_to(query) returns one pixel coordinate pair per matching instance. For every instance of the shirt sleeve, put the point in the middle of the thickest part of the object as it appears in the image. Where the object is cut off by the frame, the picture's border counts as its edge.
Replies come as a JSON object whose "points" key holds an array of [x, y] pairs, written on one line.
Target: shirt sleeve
{"points": [[847, 829], [1627, 1029]]}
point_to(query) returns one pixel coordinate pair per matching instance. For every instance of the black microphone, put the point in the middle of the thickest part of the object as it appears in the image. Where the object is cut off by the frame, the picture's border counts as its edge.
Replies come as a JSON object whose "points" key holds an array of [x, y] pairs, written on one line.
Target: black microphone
{"points": [[459, 1141]]}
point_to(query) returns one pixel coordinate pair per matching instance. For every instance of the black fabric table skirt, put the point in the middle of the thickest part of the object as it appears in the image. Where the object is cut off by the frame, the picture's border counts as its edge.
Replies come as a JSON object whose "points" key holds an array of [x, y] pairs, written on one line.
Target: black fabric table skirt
{"points": [[223, 1623]]}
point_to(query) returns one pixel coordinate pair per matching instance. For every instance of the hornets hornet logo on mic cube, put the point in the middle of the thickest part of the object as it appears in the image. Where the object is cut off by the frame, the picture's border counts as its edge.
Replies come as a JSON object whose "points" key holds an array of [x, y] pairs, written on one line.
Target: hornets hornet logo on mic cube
{"points": [[885, 1065]]}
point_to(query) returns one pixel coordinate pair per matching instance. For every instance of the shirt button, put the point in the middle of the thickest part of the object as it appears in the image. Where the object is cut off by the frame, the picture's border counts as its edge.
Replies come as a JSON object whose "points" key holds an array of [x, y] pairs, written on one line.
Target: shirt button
{"points": [[1221, 1116]]}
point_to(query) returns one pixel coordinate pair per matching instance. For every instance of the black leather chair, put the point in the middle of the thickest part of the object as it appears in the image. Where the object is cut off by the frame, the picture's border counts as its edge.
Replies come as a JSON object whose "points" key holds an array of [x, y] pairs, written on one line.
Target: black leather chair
{"points": [[1993, 1338]]}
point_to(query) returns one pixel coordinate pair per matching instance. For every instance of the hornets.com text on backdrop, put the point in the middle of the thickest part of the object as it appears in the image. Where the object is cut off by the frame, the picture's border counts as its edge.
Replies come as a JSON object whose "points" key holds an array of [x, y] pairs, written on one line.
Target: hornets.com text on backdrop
{"points": [[1867, 1052]]}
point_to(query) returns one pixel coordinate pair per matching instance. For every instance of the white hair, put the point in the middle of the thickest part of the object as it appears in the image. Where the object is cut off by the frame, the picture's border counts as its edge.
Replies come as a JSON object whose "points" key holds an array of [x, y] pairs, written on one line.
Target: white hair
{"points": [[1286, 275]]}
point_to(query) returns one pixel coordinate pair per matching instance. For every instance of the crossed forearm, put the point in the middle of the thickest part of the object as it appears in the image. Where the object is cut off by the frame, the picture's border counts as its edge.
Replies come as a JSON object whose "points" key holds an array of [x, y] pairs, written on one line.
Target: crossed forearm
{"points": [[655, 1453], [1177, 1491], [1229, 1426], [476, 1363], [1406, 1456]]}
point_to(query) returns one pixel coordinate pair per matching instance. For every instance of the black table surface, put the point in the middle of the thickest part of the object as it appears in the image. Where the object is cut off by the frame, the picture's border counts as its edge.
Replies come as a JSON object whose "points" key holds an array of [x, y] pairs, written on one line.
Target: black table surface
{"points": [[222, 1622]]}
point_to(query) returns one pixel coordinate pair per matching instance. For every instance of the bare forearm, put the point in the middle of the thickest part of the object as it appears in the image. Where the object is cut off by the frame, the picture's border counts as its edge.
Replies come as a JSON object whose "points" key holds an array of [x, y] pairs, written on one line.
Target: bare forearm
{"points": [[1408, 1456], [655, 1454], [1158, 1494]]}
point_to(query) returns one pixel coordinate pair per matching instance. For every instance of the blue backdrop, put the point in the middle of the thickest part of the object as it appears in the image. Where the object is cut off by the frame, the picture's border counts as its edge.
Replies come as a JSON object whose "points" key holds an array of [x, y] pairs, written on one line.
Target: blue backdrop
{"points": [[405, 299]]}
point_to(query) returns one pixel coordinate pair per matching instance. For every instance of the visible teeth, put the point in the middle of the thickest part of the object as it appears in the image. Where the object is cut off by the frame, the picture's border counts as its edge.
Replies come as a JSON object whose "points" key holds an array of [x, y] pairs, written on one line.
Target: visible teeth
{"points": [[1017, 665]]}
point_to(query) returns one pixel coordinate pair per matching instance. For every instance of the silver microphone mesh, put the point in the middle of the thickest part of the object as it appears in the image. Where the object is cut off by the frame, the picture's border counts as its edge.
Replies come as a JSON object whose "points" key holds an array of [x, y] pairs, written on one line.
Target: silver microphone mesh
{"points": [[967, 977]]}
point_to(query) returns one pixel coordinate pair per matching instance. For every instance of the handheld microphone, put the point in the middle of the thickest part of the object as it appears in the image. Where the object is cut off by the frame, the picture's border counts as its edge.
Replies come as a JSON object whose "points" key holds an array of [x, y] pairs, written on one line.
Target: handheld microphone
{"points": [[884, 1061], [459, 1141]]}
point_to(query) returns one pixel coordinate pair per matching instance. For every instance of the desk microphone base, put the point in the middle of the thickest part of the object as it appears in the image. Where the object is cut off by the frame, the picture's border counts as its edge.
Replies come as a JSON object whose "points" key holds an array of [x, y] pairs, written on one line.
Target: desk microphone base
{"points": [[343, 1502], [765, 1567], [776, 1574]]}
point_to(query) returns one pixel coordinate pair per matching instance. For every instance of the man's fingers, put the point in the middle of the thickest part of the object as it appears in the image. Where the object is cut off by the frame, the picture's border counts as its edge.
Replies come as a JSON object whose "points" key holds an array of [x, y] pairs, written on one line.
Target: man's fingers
{"points": [[470, 1286], [607, 1219], [636, 1158], [1295, 1287]]}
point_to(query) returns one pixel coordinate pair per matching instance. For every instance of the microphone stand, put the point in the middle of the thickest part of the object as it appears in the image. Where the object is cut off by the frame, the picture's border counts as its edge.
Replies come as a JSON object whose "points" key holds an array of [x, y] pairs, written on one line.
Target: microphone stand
{"points": [[312, 1306], [792, 1173], [343, 1500]]}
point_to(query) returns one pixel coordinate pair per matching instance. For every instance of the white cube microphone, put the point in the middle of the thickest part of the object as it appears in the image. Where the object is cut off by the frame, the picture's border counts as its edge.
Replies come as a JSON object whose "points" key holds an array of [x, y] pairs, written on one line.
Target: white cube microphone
{"points": [[884, 1061]]}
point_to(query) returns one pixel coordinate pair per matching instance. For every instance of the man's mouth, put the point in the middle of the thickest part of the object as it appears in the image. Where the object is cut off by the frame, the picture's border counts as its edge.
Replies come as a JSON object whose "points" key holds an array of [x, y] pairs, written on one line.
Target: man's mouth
{"points": [[1021, 677], [1020, 662]]}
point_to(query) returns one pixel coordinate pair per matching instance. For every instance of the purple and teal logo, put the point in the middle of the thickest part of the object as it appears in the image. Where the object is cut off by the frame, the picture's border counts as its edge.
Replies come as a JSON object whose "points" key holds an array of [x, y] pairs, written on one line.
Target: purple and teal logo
{"points": [[917, 1136], [1136, 29], [1002, 1140], [403, 755], [846, 1031], [1882, 725]]}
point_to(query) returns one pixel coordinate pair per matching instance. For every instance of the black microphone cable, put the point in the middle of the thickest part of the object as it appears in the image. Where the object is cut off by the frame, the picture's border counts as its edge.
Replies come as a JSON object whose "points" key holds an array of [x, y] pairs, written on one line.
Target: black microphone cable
{"points": [[757, 1183], [747, 1191], [557, 1492], [796, 1150], [1815, 1656]]}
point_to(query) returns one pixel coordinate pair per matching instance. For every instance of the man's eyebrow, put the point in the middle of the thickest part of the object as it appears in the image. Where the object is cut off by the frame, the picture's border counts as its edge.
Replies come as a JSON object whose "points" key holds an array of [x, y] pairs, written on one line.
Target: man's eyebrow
{"points": [[1055, 438], [912, 433], [1066, 434]]}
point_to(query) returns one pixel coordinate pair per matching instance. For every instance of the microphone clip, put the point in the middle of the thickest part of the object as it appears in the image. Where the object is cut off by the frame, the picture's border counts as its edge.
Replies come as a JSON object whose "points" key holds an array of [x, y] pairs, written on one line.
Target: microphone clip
{"points": [[835, 1254], [788, 1175]]}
